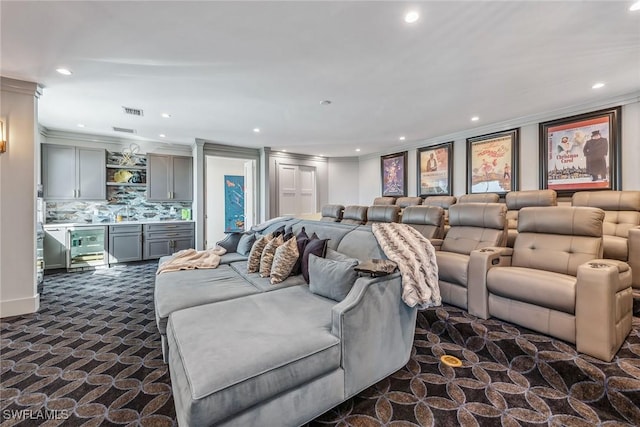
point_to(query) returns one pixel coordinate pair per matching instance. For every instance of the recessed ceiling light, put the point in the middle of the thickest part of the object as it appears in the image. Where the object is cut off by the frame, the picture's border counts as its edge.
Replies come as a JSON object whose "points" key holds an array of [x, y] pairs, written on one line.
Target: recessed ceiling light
{"points": [[635, 6], [402, 138], [165, 115], [284, 151], [64, 71], [80, 125], [597, 85], [357, 149], [162, 135], [475, 118], [256, 130], [411, 17], [321, 155]]}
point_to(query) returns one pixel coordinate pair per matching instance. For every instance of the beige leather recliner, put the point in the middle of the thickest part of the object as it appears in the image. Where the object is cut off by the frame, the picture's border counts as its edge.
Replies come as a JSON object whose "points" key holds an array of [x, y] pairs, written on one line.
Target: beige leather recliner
{"points": [[331, 213], [621, 227], [445, 202], [517, 200], [354, 214], [473, 226], [383, 214], [384, 201], [404, 202], [479, 198], [553, 281], [428, 220]]}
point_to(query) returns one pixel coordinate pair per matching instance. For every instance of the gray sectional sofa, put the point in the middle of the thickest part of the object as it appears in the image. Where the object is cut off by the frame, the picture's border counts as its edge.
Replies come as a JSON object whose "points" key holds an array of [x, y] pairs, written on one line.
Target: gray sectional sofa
{"points": [[244, 352]]}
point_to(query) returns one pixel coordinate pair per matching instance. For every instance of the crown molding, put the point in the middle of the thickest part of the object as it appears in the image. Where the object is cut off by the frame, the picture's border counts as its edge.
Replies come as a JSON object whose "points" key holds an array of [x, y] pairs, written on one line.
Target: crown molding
{"points": [[296, 156], [20, 86], [512, 124]]}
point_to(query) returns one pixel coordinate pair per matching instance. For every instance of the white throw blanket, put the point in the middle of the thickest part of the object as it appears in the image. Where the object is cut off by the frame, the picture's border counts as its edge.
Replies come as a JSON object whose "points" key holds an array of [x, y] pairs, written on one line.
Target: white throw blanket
{"points": [[190, 259], [416, 259]]}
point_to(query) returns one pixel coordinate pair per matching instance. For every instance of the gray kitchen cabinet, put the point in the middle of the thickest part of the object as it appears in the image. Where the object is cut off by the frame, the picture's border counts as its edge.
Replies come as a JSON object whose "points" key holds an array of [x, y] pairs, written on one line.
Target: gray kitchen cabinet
{"points": [[167, 238], [125, 243], [55, 247], [73, 173], [169, 178]]}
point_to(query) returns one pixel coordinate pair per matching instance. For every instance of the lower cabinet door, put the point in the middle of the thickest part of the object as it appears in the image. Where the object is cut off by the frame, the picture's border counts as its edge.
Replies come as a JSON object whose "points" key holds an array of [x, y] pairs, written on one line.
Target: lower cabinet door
{"points": [[125, 247], [181, 243], [157, 248], [55, 248]]}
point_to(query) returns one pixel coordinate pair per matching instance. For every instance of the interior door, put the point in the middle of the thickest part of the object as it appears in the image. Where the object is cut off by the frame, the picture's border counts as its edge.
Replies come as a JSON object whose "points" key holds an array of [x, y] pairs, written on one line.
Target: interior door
{"points": [[296, 189]]}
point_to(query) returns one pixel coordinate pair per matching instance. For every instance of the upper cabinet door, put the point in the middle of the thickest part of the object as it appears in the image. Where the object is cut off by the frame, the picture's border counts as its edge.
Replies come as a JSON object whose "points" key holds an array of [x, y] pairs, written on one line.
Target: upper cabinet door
{"points": [[73, 173], [158, 188], [59, 172], [182, 179], [91, 164]]}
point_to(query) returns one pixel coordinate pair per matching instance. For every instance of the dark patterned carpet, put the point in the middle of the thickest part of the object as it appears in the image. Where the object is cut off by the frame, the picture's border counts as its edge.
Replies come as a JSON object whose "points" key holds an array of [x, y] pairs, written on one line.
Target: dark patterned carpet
{"points": [[92, 356]]}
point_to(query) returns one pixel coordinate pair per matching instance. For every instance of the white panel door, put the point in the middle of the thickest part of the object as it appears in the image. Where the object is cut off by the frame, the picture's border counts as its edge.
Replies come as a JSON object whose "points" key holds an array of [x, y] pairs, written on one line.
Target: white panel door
{"points": [[307, 190], [296, 190], [287, 189]]}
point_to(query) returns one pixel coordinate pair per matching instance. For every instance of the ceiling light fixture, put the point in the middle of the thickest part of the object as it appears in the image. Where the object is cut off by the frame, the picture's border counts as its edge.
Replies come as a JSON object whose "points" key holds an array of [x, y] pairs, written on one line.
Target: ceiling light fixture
{"points": [[162, 135], [411, 17], [64, 71], [475, 118], [597, 85], [256, 130], [402, 138], [166, 115], [635, 6], [320, 155], [284, 151], [80, 125], [357, 149]]}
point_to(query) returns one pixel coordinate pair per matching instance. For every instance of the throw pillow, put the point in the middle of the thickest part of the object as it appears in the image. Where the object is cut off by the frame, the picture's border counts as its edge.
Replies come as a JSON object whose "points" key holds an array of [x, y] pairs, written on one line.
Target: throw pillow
{"points": [[316, 247], [283, 261], [253, 263], [331, 279], [278, 231], [301, 239], [287, 236], [268, 253], [246, 243]]}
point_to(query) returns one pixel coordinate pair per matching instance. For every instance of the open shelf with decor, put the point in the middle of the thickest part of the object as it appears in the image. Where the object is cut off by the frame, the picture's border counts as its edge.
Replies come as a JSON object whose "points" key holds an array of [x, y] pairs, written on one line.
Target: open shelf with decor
{"points": [[127, 168]]}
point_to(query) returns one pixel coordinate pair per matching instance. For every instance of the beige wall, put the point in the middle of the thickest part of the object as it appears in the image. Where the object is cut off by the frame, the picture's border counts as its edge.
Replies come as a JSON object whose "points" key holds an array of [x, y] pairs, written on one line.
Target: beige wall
{"points": [[18, 293]]}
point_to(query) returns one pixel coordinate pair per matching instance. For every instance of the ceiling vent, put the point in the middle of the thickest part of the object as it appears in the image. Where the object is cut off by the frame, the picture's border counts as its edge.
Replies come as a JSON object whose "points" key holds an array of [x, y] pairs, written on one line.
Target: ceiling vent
{"points": [[125, 130], [133, 111]]}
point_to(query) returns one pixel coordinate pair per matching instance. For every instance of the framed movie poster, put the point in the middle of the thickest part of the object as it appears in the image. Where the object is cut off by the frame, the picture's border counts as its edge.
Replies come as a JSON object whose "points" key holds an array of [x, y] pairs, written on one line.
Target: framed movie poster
{"points": [[393, 169], [435, 170], [492, 162], [581, 152]]}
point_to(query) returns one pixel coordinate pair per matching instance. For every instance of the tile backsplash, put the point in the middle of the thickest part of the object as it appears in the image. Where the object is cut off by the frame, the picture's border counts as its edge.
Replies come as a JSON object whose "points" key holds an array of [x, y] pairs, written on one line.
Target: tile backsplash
{"points": [[129, 202]]}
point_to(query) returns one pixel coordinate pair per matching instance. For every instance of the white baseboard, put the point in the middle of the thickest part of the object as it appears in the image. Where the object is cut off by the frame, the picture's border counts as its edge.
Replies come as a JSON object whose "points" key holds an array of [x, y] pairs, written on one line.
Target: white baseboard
{"points": [[16, 307]]}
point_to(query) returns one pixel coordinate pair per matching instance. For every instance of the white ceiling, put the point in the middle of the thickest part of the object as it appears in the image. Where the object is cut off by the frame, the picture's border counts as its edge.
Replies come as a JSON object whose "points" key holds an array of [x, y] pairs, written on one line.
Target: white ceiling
{"points": [[223, 68]]}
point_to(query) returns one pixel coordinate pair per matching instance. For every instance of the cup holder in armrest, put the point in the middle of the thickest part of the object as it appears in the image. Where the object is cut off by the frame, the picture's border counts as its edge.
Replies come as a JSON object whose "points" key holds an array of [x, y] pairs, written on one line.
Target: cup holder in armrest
{"points": [[598, 265], [487, 250]]}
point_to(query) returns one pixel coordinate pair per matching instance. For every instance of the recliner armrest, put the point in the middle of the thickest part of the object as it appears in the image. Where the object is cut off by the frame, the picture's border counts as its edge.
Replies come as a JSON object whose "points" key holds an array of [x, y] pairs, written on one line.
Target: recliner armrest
{"points": [[437, 243], [376, 330], [230, 242], [480, 261], [634, 256], [603, 307]]}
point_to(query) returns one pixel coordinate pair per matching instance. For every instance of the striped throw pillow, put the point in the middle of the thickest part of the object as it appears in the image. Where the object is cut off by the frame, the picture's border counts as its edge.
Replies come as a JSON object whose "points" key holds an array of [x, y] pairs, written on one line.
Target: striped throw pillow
{"points": [[268, 253], [284, 260], [253, 263]]}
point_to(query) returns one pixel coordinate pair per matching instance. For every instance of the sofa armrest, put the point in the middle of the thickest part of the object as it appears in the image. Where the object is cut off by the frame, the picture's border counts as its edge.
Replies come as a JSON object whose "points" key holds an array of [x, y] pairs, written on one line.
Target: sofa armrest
{"points": [[604, 303], [634, 256], [230, 242], [480, 261], [376, 330], [437, 243]]}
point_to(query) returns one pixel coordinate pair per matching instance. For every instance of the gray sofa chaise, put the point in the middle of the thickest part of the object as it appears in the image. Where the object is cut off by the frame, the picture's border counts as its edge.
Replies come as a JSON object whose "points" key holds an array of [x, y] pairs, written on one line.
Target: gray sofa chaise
{"points": [[244, 352]]}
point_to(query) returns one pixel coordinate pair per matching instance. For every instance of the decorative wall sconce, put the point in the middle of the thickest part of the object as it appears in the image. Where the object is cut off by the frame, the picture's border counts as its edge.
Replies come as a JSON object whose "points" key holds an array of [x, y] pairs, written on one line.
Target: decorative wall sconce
{"points": [[3, 137]]}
